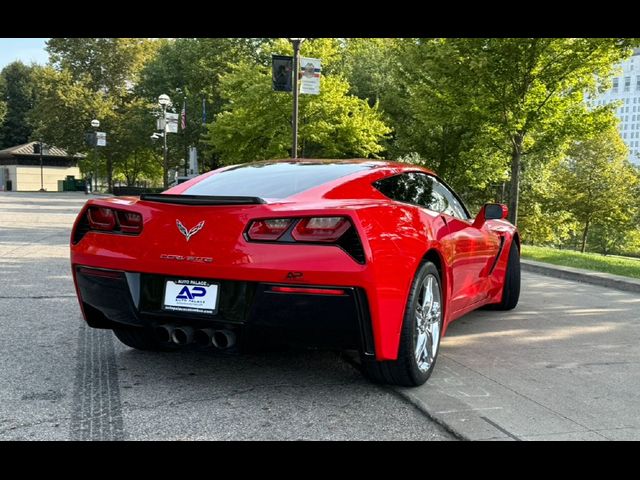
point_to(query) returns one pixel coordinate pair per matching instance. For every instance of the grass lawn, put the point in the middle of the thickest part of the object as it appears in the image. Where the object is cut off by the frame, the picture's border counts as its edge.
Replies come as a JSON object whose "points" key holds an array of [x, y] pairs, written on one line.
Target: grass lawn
{"points": [[629, 267]]}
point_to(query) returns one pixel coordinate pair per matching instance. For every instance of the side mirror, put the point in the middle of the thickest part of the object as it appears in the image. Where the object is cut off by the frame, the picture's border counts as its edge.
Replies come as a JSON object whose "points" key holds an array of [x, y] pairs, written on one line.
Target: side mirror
{"points": [[490, 211]]}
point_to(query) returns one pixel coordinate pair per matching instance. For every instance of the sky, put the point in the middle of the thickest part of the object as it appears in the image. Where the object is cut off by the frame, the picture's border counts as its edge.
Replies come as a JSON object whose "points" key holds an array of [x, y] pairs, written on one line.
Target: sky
{"points": [[26, 49]]}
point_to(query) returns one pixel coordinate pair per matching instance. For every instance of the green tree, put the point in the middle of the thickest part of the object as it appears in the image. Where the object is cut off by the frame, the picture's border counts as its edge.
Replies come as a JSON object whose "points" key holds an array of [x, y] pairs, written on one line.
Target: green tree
{"points": [[92, 78], [256, 122], [188, 70], [110, 65], [598, 186], [65, 107], [17, 96], [3, 103], [524, 96]]}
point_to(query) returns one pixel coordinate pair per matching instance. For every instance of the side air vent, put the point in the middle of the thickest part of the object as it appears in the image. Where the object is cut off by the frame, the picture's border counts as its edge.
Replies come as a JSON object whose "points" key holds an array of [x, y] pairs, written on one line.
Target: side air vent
{"points": [[350, 243]]}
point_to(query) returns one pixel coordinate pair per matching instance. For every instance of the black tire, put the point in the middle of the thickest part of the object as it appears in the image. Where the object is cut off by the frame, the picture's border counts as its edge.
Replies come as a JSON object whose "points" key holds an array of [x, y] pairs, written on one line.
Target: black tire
{"points": [[404, 371], [511, 289], [142, 339]]}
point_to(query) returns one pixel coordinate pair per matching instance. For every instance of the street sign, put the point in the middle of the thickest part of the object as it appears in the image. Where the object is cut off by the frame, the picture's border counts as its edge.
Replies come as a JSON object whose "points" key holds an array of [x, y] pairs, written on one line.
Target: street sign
{"points": [[310, 69], [281, 68], [172, 122], [101, 139]]}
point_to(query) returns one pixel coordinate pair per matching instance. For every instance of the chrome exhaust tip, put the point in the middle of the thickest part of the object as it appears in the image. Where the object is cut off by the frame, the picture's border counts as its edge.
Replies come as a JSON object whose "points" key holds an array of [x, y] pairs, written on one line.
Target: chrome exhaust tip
{"points": [[182, 335], [164, 333], [202, 337], [223, 339]]}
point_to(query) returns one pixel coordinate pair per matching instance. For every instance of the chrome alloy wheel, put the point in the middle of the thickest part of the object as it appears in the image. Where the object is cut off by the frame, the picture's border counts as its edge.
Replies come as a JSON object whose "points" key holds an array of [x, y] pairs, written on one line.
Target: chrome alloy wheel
{"points": [[428, 322]]}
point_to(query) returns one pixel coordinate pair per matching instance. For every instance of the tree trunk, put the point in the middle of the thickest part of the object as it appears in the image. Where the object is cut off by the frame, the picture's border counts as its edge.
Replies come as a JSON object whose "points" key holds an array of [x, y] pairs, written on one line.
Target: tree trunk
{"points": [[585, 232], [514, 184]]}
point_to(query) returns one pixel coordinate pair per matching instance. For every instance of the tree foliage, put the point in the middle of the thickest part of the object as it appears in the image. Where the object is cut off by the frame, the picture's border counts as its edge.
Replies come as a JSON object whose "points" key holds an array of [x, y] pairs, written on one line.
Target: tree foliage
{"points": [[256, 122], [17, 90], [517, 97], [599, 187], [93, 79]]}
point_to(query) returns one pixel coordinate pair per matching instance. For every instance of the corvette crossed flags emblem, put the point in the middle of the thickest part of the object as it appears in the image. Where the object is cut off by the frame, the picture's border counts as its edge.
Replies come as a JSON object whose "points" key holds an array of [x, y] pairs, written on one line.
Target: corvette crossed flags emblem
{"points": [[189, 233]]}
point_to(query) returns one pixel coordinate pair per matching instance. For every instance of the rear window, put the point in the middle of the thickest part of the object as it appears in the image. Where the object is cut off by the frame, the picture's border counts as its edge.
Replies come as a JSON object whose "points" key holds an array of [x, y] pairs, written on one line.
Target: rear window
{"points": [[273, 180]]}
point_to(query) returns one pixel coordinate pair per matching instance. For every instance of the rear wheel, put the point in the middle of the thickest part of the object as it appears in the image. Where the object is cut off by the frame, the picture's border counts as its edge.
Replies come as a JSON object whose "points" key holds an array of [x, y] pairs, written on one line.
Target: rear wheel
{"points": [[141, 338], [420, 336]]}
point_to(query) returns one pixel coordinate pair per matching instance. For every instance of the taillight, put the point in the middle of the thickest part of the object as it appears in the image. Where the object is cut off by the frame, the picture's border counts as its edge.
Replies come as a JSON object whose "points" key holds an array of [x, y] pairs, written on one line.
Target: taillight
{"points": [[337, 231], [269, 230], [109, 220], [130, 222], [101, 218], [320, 229]]}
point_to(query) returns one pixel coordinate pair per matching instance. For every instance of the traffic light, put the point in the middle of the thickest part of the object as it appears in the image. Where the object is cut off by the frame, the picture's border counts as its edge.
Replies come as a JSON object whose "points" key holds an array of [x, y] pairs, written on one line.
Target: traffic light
{"points": [[36, 148], [282, 66], [90, 139]]}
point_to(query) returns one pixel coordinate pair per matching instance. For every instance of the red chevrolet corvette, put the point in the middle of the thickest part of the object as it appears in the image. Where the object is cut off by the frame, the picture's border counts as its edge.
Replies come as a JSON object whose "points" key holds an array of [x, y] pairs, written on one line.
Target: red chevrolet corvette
{"points": [[373, 256]]}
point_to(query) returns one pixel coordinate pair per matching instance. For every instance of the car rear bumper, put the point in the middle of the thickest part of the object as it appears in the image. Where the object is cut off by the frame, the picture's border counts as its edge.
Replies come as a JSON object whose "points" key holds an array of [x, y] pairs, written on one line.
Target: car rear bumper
{"points": [[115, 298]]}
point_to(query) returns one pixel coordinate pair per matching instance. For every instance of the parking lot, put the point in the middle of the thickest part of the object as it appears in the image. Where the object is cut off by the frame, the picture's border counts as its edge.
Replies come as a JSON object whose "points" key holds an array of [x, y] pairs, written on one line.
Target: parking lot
{"points": [[561, 366]]}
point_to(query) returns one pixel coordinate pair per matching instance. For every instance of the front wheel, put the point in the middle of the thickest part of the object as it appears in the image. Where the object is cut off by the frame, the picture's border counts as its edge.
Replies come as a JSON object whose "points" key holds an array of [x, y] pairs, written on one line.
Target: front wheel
{"points": [[420, 336]]}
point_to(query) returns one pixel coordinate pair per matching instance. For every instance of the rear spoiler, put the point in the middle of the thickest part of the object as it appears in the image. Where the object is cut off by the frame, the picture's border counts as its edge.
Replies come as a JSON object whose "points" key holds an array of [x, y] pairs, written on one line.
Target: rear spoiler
{"points": [[200, 199]]}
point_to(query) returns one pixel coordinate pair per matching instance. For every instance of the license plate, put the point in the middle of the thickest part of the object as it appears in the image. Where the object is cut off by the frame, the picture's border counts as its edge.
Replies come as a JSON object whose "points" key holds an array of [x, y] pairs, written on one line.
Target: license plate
{"points": [[195, 296]]}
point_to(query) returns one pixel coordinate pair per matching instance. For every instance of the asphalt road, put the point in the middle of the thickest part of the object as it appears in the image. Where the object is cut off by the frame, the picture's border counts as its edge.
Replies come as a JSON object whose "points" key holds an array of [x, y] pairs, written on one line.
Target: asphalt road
{"points": [[564, 365], [60, 380]]}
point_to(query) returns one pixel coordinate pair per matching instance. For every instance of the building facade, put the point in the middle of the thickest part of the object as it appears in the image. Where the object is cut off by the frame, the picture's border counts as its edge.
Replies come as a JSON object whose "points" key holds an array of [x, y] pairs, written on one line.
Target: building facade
{"points": [[23, 168], [626, 89]]}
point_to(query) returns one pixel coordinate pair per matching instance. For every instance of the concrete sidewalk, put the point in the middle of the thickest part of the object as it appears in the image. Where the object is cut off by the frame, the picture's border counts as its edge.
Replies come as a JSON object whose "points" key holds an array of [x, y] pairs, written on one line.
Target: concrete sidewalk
{"points": [[564, 365]]}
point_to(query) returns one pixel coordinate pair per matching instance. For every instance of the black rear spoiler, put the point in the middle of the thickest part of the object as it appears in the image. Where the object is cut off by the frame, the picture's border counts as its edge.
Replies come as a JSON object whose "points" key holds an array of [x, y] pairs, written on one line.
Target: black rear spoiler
{"points": [[200, 199]]}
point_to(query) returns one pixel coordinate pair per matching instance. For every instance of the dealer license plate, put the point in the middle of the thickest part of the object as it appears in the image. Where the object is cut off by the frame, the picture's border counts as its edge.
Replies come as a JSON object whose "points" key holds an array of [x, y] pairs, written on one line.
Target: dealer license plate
{"points": [[195, 296]]}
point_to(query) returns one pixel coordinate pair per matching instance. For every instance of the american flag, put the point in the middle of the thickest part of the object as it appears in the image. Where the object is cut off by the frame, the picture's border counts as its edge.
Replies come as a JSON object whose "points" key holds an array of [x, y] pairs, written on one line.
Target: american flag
{"points": [[183, 115]]}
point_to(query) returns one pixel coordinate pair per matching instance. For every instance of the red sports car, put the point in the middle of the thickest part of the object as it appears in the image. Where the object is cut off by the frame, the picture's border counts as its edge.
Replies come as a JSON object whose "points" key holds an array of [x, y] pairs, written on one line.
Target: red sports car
{"points": [[374, 256]]}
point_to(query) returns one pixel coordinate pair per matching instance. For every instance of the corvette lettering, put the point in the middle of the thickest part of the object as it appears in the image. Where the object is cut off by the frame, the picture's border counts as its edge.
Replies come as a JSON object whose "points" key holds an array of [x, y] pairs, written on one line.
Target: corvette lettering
{"points": [[186, 258]]}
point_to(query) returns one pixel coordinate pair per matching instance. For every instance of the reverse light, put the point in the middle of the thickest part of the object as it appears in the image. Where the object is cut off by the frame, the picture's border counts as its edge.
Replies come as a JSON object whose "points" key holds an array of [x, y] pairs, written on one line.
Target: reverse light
{"points": [[269, 230], [320, 229]]}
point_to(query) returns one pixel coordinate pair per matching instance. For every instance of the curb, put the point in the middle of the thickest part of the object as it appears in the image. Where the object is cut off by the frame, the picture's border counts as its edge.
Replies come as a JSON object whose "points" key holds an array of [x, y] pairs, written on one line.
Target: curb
{"points": [[422, 407], [608, 280]]}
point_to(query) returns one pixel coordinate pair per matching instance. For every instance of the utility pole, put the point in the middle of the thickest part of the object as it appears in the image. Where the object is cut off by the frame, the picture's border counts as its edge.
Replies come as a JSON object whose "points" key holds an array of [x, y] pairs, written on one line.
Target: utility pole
{"points": [[95, 124], [296, 67], [164, 100]]}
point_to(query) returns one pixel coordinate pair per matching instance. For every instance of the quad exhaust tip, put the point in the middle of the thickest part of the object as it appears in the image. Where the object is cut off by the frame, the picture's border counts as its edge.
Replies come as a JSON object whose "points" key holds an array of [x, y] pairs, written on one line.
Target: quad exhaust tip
{"points": [[182, 335], [164, 333], [223, 339], [203, 337]]}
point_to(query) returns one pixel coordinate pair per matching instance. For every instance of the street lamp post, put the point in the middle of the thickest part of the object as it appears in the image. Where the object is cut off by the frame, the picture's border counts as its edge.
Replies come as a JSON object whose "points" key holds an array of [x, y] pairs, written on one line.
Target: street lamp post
{"points": [[295, 42], [164, 100], [95, 124]]}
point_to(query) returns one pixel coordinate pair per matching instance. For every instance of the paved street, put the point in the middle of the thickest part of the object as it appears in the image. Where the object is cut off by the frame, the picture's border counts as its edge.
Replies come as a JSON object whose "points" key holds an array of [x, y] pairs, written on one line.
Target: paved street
{"points": [[563, 366], [60, 380]]}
